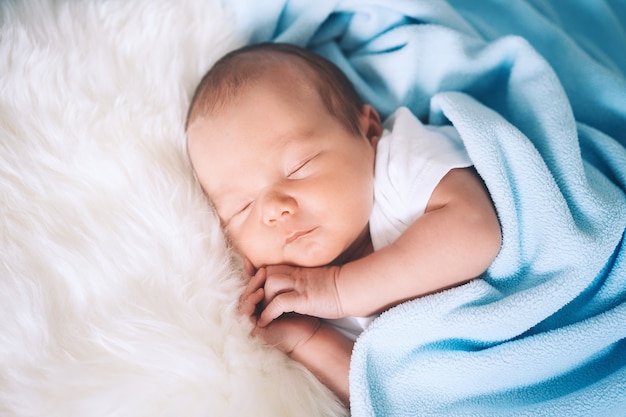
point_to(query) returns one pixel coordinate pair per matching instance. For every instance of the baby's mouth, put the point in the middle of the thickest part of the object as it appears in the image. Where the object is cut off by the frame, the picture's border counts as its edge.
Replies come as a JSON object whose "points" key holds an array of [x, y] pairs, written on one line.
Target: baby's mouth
{"points": [[297, 235]]}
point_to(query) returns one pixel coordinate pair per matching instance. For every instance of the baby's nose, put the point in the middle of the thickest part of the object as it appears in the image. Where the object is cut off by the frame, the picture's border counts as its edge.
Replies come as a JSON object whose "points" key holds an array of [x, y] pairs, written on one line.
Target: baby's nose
{"points": [[278, 206]]}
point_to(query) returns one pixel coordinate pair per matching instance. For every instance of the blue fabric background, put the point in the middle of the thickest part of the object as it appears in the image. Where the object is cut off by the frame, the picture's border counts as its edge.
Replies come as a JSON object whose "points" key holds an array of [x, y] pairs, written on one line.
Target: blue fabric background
{"points": [[537, 90]]}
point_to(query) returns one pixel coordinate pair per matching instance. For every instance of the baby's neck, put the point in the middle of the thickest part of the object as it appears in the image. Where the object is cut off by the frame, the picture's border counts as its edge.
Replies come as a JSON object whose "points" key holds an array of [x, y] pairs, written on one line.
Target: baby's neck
{"points": [[361, 247]]}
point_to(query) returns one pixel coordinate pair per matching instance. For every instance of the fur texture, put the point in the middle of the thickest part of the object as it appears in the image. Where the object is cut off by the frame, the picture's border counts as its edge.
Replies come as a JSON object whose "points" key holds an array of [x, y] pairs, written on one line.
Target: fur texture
{"points": [[118, 292]]}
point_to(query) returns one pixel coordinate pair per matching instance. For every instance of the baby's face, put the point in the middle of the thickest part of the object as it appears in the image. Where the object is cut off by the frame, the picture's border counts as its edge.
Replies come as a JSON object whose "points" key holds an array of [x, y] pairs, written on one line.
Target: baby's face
{"points": [[290, 183]]}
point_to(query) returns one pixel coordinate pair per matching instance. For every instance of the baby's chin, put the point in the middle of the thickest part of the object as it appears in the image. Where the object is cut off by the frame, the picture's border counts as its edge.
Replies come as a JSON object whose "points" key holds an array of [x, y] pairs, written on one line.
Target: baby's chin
{"points": [[306, 260], [302, 264]]}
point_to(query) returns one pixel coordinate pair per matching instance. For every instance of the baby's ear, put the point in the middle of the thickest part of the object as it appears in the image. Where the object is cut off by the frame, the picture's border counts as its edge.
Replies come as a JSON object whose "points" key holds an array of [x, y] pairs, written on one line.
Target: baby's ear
{"points": [[370, 123]]}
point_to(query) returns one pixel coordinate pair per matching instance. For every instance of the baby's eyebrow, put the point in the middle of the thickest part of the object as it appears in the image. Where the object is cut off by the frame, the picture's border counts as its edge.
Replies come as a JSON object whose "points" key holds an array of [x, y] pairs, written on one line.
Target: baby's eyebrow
{"points": [[291, 137]]}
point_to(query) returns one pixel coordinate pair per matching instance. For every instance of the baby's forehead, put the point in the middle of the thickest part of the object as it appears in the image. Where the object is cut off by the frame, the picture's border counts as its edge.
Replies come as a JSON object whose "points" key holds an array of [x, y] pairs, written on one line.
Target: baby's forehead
{"points": [[282, 69], [261, 61], [285, 82]]}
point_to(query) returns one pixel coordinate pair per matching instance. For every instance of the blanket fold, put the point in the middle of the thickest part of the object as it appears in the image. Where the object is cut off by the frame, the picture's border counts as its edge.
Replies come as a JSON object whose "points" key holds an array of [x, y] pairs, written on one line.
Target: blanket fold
{"points": [[537, 92]]}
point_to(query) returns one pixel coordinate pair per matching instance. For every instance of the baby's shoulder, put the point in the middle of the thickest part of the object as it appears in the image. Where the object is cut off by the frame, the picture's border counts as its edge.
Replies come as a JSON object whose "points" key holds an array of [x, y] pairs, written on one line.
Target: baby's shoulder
{"points": [[407, 136]]}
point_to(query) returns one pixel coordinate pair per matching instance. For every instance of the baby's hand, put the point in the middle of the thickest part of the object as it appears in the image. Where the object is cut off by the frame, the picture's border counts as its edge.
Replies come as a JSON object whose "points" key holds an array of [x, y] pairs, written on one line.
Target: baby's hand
{"points": [[310, 291], [285, 333]]}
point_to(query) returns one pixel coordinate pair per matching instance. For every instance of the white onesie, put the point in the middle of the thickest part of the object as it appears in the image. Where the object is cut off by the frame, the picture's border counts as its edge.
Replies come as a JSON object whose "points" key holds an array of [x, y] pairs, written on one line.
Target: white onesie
{"points": [[411, 159]]}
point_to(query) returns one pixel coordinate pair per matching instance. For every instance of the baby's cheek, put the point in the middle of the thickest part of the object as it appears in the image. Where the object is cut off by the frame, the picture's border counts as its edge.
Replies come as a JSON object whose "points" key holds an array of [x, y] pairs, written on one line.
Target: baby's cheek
{"points": [[258, 253], [236, 243], [260, 245]]}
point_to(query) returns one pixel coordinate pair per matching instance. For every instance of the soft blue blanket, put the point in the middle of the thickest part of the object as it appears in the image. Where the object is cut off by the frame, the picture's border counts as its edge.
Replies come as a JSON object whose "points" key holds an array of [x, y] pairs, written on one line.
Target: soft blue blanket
{"points": [[537, 90]]}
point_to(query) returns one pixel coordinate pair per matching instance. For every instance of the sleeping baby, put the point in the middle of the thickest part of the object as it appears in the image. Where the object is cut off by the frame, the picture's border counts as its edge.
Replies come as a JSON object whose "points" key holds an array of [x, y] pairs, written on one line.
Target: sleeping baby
{"points": [[337, 215]]}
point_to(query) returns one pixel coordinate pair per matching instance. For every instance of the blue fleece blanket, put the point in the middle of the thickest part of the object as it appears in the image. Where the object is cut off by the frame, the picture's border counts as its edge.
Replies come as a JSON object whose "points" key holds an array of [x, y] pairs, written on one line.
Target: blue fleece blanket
{"points": [[537, 90]]}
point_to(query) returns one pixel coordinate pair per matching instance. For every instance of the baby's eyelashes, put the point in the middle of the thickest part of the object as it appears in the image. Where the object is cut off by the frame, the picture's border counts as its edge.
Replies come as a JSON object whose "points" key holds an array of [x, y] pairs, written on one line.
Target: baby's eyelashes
{"points": [[241, 209], [299, 170], [227, 214]]}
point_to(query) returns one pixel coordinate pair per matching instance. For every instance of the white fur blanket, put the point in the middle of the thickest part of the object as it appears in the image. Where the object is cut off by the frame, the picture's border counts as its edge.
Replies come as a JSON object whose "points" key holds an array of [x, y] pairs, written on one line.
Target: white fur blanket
{"points": [[117, 290]]}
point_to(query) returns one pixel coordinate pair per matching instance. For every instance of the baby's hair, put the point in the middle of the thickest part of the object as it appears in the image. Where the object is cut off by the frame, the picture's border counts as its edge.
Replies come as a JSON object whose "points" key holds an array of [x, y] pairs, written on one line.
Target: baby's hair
{"points": [[242, 67]]}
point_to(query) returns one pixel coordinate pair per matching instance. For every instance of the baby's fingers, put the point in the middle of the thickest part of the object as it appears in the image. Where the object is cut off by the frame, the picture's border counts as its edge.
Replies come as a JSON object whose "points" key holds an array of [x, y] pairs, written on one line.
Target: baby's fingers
{"points": [[283, 303], [256, 282], [248, 305]]}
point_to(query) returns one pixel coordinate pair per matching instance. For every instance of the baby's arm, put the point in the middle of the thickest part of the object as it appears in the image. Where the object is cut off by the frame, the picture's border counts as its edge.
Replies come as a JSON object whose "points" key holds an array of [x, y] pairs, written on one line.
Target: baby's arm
{"points": [[327, 355], [316, 345], [454, 241]]}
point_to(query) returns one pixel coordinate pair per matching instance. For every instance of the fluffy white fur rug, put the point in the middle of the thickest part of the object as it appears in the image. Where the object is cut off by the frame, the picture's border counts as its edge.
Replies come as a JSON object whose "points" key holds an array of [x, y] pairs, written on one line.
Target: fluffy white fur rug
{"points": [[117, 290]]}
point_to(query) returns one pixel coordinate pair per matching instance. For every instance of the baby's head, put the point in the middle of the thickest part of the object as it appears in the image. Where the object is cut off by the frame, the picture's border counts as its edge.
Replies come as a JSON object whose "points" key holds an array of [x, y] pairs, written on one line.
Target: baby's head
{"points": [[242, 68], [283, 146]]}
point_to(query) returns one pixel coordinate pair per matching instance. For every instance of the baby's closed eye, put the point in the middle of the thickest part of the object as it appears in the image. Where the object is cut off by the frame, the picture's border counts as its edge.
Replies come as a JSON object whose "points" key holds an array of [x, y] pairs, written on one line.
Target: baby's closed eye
{"points": [[301, 169], [243, 207], [230, 212]]}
